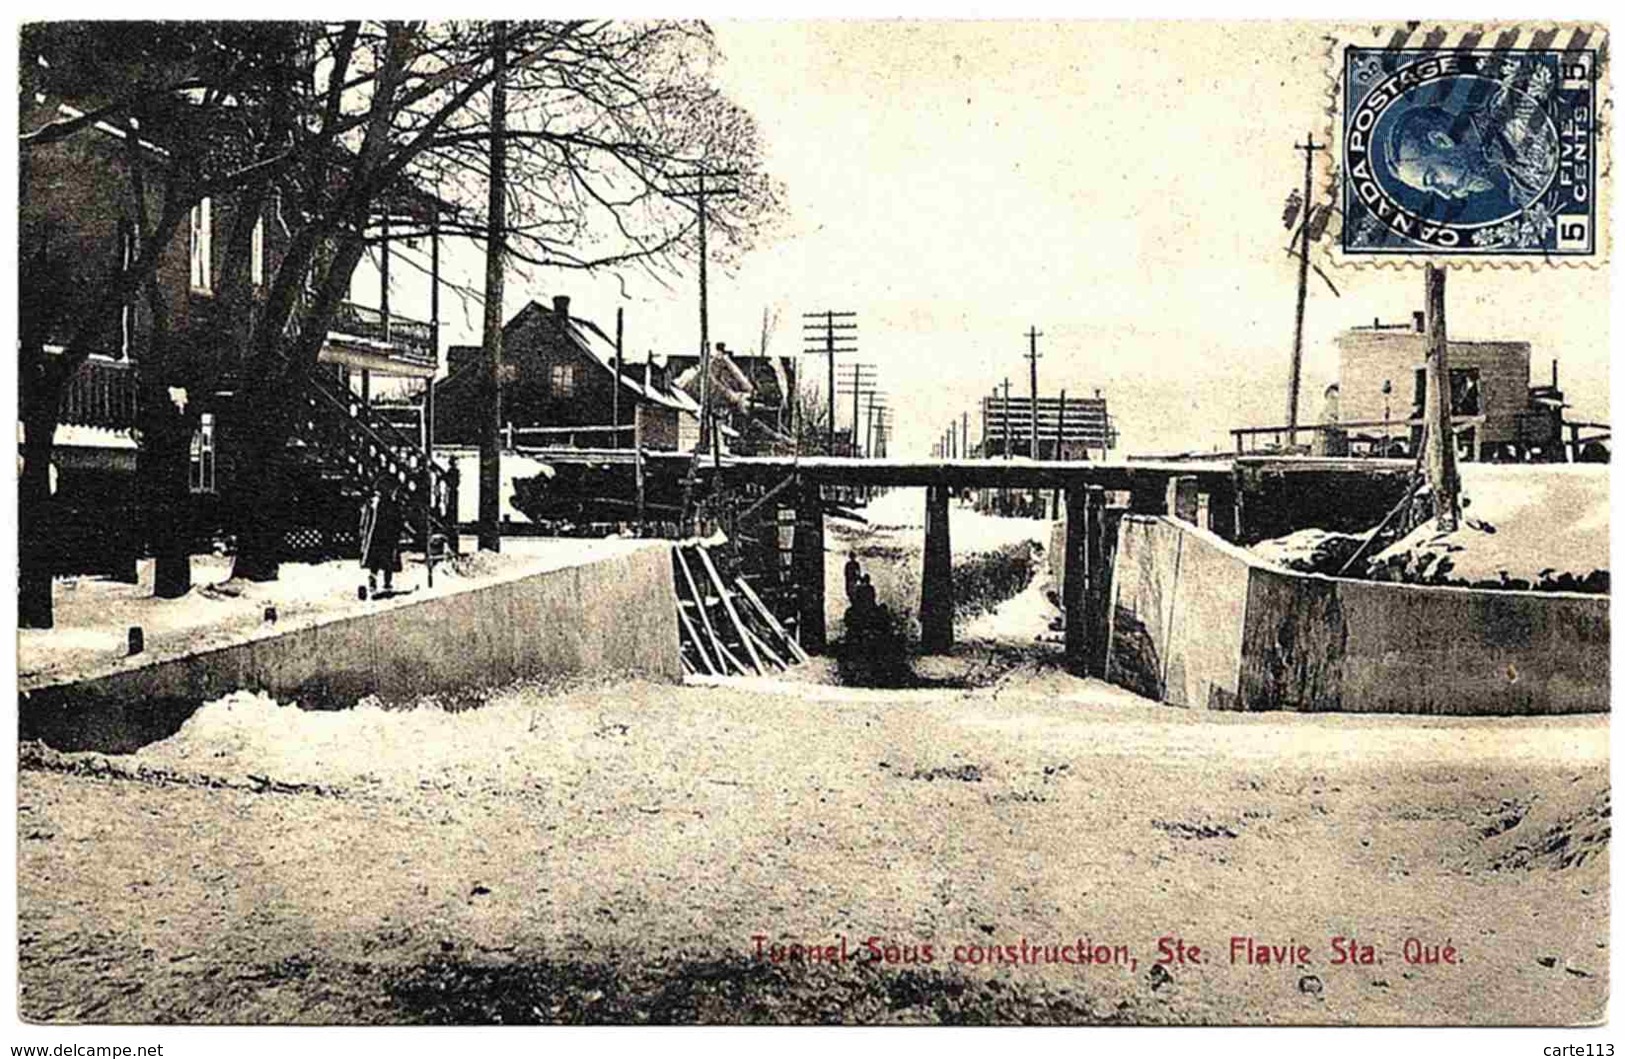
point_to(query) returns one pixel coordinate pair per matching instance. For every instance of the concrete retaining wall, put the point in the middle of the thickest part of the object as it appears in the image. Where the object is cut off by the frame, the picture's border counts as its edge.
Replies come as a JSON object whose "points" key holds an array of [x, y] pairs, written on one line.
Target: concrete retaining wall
{"points": [[615, 615], [1199, 622]]}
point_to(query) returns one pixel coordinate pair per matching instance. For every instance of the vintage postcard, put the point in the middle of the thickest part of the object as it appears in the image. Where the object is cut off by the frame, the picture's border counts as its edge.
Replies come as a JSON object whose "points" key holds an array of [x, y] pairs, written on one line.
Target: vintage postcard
{"points": [[798, 523]]}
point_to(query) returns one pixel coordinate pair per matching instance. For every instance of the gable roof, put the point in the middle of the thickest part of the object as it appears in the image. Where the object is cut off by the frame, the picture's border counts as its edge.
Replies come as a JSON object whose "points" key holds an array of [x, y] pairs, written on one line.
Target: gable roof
{"points": [[589, 340]]}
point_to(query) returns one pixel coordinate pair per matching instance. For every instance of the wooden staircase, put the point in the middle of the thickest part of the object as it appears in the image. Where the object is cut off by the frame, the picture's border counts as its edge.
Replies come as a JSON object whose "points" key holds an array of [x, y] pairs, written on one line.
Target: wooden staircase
{"points": [[354, 450]]}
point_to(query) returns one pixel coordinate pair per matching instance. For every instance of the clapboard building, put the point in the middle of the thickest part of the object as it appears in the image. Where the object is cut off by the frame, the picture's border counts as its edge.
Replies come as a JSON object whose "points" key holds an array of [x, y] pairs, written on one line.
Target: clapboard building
{"points": [[78, 207], [1069, 428], [560, 371], [1498, 414]]}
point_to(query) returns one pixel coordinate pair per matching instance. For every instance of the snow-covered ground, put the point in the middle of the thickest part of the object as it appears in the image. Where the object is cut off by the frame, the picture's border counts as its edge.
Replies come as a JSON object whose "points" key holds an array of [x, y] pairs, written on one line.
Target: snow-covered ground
{"points": [[969, 531], [93, 615], [542, 857], [1528, 523], [891, 550], [1020, 621], [512, 466]]}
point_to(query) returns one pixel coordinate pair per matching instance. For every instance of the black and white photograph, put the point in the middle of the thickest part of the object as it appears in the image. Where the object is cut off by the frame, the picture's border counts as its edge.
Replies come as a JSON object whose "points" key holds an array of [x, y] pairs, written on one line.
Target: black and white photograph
{"points": [[946, 520]]}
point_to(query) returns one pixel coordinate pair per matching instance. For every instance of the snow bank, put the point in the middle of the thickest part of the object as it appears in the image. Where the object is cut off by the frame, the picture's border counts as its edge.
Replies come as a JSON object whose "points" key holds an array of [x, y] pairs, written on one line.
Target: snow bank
{"points": [[249, 734], [1020, 620], [1539, 526], [969, 530], [1314, 551], [512, 466]]}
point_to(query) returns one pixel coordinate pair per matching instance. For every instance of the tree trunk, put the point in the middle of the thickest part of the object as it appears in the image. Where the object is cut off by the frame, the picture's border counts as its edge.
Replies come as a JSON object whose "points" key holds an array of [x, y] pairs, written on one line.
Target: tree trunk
{"points": [[34, 607], [258, 485], [166, 498]]}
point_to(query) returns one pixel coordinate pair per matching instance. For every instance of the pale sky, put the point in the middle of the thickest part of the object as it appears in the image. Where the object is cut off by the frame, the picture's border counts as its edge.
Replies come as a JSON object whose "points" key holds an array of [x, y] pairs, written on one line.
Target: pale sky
{"points": [[1117, 185]]}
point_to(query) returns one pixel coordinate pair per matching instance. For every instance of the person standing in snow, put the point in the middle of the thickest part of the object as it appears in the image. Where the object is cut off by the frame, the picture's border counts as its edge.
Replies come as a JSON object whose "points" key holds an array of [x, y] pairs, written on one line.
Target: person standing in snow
{"points": [[382, 521]]}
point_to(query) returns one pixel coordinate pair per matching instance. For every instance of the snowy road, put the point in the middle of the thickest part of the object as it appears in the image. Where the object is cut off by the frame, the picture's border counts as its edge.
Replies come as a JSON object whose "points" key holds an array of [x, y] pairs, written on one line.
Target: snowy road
{"points": [[612, 853]]}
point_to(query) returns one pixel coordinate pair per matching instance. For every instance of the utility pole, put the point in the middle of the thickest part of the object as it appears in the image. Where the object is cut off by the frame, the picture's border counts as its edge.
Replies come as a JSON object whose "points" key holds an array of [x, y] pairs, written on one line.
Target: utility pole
{"points": [[869, 435], [490, 534], [857, 380], [702, 196], [1033, 335], [1060, 428], [1308, 148], [1441, 436], [828, 333], [1007, 417], [615, 390]]}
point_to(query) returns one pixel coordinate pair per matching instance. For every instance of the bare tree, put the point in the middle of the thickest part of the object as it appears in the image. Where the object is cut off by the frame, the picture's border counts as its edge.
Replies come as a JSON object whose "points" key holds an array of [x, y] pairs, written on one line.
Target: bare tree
{"points": [[178, 97], [324, 124]]}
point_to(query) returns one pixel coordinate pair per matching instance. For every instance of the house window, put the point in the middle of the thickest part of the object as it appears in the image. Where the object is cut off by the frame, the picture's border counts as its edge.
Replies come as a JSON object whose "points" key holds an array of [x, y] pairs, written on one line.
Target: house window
{"points": [[564, 380], [256, 254], [201, 478], [202, 249], [1465, 396], [126, 258]]}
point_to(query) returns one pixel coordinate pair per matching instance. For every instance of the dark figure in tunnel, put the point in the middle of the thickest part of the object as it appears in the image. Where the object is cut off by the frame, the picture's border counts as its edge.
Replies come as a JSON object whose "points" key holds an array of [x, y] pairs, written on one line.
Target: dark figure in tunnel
{"points": [[873, 651]]}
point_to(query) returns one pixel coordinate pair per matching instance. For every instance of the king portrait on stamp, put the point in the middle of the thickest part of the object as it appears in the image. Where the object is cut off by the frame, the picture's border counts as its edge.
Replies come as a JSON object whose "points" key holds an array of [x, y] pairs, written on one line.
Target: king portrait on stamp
{"points": [[1469, 151]]}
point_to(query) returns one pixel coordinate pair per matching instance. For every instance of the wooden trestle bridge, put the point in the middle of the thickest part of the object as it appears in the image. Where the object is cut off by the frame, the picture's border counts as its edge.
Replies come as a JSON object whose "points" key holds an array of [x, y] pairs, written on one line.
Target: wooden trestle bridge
{"points": [[803, 484]]}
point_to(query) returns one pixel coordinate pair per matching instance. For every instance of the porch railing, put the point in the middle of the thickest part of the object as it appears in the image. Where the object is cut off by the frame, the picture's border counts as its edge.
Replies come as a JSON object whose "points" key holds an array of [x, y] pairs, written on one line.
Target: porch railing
{"points": [[102, 393], [413, 340]]}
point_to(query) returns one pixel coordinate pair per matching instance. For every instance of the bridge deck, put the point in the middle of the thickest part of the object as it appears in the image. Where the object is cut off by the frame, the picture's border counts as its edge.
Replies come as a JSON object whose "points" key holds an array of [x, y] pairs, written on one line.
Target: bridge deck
{"points": [[1012, 473]]}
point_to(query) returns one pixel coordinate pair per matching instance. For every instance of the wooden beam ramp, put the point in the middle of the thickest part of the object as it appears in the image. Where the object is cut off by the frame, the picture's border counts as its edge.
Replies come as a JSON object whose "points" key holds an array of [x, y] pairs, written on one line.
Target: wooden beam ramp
{"points": [[724, 628]]}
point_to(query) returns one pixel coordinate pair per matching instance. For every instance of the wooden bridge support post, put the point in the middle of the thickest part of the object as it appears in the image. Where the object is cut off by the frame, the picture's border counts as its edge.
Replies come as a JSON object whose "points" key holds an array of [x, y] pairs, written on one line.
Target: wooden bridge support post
{"points": [[1073, 577], [1084, 580], [809, 566], [1181, 502], [1097, 599], [937, 582], [1148, 495], [1222, 510]]}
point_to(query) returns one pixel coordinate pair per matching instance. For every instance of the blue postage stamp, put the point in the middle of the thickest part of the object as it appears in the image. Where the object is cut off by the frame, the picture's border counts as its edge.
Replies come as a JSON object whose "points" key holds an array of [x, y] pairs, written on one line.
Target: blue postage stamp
{"points": [[1469, 152]]}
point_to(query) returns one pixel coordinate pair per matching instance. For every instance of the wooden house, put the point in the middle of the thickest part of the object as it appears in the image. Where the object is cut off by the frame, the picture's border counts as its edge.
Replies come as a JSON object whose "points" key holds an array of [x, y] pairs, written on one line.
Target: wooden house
{"points": [[1383, 378], [75, 196], [561, 372], [752, 397]]}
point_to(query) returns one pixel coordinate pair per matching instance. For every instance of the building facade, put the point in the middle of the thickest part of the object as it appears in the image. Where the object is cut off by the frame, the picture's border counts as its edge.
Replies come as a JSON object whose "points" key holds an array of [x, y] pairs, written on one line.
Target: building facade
{"points": [[1383, 380], [561, 386], [76, 205]]}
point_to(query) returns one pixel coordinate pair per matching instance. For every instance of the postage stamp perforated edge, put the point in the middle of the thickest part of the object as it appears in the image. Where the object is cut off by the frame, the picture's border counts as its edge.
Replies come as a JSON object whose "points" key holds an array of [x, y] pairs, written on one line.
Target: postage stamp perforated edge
{"points": [[1463, 36]]}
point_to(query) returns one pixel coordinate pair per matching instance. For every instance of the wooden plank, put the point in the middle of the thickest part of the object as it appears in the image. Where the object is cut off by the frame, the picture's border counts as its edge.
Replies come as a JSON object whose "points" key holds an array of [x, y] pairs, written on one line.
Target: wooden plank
{"points": [[773, 622], [705, 615], [728, 606], [694, 636], [772, 655], [731, 658], [769, 495], [760, 632]]}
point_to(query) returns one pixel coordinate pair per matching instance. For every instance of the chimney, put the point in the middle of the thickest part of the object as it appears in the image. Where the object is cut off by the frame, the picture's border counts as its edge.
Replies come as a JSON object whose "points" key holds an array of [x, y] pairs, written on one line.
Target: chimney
{"points": [[561, 305], [1419, 318]]}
